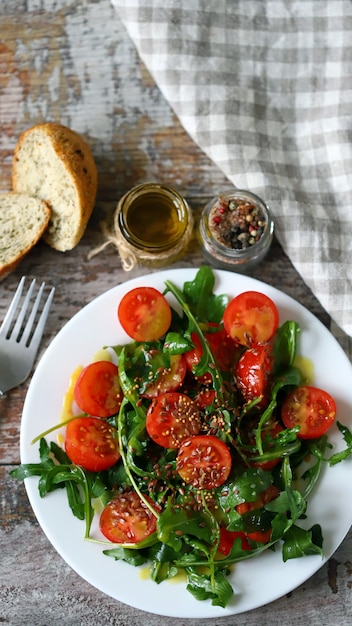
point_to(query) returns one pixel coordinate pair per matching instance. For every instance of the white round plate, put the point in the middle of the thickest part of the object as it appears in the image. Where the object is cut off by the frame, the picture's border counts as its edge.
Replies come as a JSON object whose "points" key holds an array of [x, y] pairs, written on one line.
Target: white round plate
{"points": [[256, 582]]}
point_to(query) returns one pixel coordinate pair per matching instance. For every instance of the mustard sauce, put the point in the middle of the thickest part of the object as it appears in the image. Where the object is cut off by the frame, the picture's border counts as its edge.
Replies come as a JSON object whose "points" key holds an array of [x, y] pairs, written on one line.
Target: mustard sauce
{"points": [[101, 355], [180, 577], [68, 399], [306, 367], [144, 573], [66, 411]]}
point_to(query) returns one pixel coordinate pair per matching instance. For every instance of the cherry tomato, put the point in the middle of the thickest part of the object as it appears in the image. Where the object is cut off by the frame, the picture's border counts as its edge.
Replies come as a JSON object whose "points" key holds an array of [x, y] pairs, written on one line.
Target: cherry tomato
{"points": [[169, 379], [127, 519], [310, 408], [226, 352], [205, 397], [91, 443], [204, 461], [251, 318], [223, 348], [227, 539], [97, 390], [266, 496], [144, 314], [253, 373], [172, 417]]}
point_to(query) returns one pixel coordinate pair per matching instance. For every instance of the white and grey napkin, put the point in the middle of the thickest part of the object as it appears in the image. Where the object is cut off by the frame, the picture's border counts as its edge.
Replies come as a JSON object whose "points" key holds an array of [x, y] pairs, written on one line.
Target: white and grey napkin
{"points": [[264, 87]]}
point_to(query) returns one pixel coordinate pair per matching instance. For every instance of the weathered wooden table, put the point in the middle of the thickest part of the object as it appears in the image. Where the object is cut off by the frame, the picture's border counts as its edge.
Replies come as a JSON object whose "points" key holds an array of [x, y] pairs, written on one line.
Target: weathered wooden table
{"points": [[73, 63]]}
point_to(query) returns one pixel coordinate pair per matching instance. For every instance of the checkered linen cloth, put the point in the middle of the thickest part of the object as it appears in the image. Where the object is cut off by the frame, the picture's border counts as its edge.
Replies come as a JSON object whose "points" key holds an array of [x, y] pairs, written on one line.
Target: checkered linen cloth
{"points": [[265, 89]]}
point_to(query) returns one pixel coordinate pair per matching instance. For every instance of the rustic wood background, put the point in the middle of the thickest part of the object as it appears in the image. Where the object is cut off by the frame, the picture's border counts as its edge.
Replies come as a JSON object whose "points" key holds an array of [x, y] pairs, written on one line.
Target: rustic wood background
{"points": [[72, 62]]}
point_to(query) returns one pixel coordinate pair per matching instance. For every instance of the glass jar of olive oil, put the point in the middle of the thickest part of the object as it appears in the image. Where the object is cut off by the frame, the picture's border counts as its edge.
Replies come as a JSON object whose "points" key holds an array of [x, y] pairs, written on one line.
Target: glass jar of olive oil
{"points": [[155, 225]]}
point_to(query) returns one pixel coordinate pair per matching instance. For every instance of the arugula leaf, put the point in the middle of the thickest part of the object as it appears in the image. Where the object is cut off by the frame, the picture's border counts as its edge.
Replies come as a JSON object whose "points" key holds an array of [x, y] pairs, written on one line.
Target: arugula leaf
{"points": [[35, 469], [203, 303], [296, 502], [177, 343], [56, 471], [175, 523], [116, 475], [290, 505], [284, 443], [285, 346], [207, 362], [299, 542], [133, 557], [203, 587], [130, 423], [292, 377], [246, 487], [347, 452], [140, 365], [162, 565], [180, 529], [160, 571], [285, 374], [315, 449], [127, 451]]}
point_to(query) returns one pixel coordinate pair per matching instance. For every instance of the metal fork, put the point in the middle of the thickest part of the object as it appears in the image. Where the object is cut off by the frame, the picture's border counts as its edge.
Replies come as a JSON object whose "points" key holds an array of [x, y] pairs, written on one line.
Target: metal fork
{"points": [[20, 337]]}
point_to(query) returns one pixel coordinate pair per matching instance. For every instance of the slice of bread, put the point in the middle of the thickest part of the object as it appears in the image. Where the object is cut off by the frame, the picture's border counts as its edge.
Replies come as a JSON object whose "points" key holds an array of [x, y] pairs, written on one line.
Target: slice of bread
{"points": [[23, 220], [54, 163]]}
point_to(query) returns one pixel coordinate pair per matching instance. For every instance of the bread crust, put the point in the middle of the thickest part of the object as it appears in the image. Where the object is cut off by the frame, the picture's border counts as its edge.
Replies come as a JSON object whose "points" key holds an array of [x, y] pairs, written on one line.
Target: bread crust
{"points": [[17, 213], [66, 149]]}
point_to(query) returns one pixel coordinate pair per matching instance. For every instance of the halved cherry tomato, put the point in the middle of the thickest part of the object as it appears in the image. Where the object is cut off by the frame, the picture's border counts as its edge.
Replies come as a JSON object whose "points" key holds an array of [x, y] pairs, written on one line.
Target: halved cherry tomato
{"points": [[205, 397], [310, 408], [92, 443], [172, 417], [251, 318], [170, 379], [126, 518], [204, 461], [266, 496], [227, 539], [224, 349], [253, 373], [97, 390], [144, 314]]}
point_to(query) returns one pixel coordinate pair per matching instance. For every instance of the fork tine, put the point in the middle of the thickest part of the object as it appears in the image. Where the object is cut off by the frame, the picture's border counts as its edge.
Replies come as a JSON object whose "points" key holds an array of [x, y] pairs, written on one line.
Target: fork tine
{"points": [[37, 335], [5, 326], [22, 314], [20, 336], [30, 321]]}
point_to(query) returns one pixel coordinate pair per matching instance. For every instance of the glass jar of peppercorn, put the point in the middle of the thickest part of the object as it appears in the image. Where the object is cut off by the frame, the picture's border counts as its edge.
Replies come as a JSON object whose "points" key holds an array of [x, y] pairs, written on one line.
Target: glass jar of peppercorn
{"points": [[236, 230]]}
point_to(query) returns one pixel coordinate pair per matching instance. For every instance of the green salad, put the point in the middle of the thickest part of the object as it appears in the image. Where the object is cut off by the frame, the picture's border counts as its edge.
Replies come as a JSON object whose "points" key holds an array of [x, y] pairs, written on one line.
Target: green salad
{"points": [[198, 442]]}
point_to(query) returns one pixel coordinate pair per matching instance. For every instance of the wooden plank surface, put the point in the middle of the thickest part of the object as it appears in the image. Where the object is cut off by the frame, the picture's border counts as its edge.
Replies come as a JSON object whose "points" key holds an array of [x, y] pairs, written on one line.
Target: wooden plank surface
{"points": [[73, 63]]}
